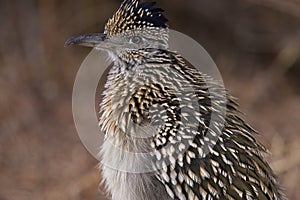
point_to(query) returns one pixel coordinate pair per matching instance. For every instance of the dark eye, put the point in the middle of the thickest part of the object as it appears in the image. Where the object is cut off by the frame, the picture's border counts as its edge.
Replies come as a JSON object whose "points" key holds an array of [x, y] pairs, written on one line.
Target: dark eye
{"points": [[136, 39]]}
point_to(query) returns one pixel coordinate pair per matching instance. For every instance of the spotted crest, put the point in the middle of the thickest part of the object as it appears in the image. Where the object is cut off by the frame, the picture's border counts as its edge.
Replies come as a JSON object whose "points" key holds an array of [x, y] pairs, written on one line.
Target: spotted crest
{"points": [[135, 15]]}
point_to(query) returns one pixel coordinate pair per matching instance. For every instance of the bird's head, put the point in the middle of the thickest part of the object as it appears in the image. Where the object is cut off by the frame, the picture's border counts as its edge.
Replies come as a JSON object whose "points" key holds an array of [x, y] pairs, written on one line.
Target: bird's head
{"points": [[134, 26]]}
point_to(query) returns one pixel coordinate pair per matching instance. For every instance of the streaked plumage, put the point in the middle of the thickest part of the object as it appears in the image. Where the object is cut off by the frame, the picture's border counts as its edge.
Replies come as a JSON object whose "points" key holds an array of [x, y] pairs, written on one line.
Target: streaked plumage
{"points": [[153, 92]]}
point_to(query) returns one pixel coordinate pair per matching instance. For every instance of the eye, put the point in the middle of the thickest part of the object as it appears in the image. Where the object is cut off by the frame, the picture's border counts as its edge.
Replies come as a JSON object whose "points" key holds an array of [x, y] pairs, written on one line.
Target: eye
{"points": [[136, 39]]}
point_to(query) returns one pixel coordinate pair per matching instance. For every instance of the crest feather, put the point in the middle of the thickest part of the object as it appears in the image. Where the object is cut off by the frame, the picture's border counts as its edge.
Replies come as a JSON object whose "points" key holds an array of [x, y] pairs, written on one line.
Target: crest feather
{"points": [[135, 15]]}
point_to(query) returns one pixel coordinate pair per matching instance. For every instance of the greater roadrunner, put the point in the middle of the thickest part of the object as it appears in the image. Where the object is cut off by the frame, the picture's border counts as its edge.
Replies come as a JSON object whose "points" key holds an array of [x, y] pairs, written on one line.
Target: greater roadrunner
{"points": [[154, 101]]}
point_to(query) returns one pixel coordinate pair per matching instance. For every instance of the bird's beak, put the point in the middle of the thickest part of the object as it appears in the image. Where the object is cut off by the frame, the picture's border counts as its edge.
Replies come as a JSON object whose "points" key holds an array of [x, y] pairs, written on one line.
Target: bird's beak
{"points": [[88, 40]]}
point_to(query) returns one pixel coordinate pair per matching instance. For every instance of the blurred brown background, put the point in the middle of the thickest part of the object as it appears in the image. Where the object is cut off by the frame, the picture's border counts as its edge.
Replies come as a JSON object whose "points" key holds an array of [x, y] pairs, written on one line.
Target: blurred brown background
{"points": [[255, 43]]}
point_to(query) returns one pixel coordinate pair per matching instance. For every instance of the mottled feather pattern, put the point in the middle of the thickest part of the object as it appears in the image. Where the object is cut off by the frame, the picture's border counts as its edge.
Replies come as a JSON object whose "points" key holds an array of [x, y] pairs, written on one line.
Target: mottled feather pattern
{"points": [[154, 101], [205, 163]]}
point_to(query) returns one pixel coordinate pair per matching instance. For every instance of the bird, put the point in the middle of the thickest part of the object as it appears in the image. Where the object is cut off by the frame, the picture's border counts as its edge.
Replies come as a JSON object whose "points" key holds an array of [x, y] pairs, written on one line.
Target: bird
{"points": [[156, 104]]}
